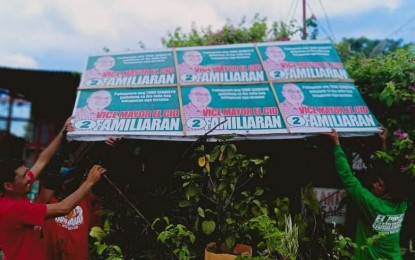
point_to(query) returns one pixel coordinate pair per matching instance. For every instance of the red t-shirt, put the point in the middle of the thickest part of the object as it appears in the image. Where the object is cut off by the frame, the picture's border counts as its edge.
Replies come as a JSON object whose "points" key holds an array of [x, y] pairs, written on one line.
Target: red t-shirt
{"points": [[20, 231], [66, 237]]}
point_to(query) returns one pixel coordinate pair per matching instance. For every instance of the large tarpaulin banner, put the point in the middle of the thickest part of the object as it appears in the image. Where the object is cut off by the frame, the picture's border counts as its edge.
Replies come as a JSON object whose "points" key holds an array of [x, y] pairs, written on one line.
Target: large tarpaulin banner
{"points": [[267, 90]]}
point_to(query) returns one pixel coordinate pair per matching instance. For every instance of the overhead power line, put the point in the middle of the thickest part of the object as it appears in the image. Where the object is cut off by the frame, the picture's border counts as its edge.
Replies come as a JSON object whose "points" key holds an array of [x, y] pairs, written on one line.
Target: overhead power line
{"points": [[382, 44], [328, 22], [290, 12], [293, 11], [320, 26], [402, 26]]}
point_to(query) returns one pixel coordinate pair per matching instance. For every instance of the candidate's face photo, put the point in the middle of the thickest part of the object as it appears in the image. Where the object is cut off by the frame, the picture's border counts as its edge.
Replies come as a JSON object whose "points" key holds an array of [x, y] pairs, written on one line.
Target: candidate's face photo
{"points": [[192, 58], [99, 100], [104, 63], [293, 94], [276, 54], [200, 97]]}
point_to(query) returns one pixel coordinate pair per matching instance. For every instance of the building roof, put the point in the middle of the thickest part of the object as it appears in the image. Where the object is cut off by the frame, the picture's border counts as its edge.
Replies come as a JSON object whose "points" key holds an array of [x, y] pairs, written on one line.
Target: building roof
{"points": [[52, 93]]}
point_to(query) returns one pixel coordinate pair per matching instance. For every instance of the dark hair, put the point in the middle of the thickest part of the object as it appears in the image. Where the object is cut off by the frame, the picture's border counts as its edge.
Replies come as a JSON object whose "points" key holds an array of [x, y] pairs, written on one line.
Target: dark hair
{"points": [[398, 184], [8, 167]]}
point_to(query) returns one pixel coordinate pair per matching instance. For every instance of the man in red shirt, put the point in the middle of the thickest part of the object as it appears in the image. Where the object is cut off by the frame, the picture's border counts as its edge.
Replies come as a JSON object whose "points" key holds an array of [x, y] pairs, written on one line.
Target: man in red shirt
{"points": [[66, 237], [20, 219]]}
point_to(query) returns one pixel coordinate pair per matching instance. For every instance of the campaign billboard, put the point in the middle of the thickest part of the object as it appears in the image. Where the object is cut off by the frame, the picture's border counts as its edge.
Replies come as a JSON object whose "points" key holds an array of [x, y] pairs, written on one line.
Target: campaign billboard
{"points": [[273, 89]]}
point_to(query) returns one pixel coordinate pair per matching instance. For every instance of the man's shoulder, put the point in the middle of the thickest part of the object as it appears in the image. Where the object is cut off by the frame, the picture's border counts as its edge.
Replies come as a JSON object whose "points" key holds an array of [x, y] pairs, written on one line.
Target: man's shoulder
{"points": [[82, 109], [188, 106], [183, 65], [7, 203], [269, 62], [284, 103]]}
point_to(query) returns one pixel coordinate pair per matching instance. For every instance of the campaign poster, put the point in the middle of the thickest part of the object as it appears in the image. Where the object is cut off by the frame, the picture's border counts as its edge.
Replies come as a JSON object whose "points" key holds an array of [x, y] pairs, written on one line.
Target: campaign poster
{"points": [[251, 89], [130, 69], [149, 111], [219, 64], [332, 206], [246, 109], [298, 61], [319, 107]]}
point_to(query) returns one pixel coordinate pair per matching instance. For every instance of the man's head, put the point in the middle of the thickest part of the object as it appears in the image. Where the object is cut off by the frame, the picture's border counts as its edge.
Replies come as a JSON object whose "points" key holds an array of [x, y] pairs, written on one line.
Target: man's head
{"points": [[72, 179], [13, 177], [99, 100], [274, 53], [375, 176], [192, 58], [386, 182], [378, 187], [293, 94], [104, 63], [200, 97]]}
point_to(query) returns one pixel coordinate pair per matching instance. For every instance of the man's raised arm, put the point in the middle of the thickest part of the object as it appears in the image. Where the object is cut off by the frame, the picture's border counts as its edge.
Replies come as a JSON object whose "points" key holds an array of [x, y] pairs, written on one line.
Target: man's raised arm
{"points": [[47, 154]]}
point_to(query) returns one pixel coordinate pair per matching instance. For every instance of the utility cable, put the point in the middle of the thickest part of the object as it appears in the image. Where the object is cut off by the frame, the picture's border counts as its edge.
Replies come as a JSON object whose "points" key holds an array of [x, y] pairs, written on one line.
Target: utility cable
{"points": [[402, 26], [381, 45], [320, 25], [328, 22], [290, 13]]}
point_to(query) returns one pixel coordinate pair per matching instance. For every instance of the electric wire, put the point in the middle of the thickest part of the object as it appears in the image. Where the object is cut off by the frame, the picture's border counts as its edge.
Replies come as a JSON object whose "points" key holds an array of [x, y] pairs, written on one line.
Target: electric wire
{"points": [[327, 21], [293, 11], [381, 45], [290, 11], [402, 26], [320, 26]]}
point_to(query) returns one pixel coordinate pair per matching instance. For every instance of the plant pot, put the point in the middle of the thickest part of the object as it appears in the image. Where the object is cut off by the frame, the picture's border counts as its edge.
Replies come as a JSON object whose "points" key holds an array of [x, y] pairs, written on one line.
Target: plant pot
{"points": [[240, 249]]}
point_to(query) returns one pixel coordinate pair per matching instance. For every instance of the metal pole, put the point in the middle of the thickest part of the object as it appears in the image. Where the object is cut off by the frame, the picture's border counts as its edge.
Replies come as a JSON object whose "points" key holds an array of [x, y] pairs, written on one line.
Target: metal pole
{"points": [[304, 25]]}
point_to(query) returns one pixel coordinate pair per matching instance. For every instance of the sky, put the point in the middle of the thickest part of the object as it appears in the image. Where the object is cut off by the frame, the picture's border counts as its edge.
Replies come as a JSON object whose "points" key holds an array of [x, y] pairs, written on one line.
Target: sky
{"points": [[59, 35]]}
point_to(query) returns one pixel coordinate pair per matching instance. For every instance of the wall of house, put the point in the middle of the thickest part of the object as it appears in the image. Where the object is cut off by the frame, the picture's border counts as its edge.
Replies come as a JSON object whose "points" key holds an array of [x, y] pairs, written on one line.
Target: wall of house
{"points": [[52, 95]]}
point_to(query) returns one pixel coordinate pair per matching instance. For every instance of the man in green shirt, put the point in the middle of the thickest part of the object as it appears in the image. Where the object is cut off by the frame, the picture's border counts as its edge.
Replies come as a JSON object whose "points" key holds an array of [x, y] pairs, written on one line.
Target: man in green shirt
{"points": [[381, 209]]}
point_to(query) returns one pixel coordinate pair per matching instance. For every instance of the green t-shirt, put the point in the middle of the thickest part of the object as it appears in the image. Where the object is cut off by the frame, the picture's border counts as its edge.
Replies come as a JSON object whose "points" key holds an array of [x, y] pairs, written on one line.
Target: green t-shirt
{"points": [[376, 216]]}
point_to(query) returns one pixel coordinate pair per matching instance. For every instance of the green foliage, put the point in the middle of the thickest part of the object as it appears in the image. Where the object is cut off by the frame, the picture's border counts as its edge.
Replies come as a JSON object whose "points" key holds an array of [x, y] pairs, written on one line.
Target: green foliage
{"points": [[178, 237], [257, 30], [366, 48], [344, 246], [215, 196], [104, 248], [387, 83], [276, 242]]}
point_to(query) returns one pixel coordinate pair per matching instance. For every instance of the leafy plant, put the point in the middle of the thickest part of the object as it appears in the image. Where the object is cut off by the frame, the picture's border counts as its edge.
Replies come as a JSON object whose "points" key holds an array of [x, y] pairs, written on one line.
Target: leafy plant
{"points": [[256, 30], [387, 82], [178, 236], [344, 246], [217, 196], [276, 242], [102, 248]]}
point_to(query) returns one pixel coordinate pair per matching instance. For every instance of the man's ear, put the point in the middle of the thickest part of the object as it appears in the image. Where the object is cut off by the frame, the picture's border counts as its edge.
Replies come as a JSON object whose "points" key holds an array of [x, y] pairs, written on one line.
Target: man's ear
{"points": [[8, 186]]}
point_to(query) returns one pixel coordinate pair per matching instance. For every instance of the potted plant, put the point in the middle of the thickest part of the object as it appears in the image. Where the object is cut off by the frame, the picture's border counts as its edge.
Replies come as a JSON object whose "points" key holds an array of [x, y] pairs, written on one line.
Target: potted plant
{"points": [[219, 199]]}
